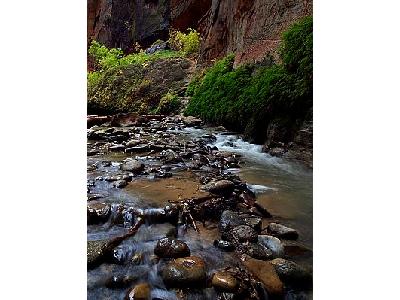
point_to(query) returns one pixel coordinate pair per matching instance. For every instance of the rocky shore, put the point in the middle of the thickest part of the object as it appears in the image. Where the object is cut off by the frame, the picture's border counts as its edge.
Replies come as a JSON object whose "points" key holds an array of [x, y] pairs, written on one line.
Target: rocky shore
{"points": [[214, 240]]}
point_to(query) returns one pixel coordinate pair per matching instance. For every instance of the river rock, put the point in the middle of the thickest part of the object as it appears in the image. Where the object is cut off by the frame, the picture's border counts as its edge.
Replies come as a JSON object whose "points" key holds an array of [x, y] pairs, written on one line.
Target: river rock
{"points": [[192, 121], [272, 243], [221, 187], [120, 183], [134, 166], [291, 272], [258, 251], [282, 231], [224, 245], [224, 281], [96, 252], [185, 272], [265, 272], [137, 149], [241, 233], [139, 292], [97, 212], [118, 147], [230, 219], [171, 248]]}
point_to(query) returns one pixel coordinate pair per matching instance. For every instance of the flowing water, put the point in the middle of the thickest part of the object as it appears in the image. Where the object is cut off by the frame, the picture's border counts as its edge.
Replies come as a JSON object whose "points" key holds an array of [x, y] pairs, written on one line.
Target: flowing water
{"points": [[283, 187]]}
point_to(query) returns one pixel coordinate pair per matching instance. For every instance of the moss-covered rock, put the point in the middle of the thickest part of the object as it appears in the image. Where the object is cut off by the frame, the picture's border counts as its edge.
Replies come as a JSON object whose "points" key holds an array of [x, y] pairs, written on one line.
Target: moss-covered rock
{"points": [[137, 87]]}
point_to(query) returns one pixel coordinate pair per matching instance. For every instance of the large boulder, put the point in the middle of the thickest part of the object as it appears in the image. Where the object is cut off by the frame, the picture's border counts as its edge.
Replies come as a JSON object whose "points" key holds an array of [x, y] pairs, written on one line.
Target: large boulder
{"points": [[241, 234], [291, 272], [97, 251], [185, 272], [265, 272], [171, 248], [272, 243], [224, 281], [230, 219], [282, 231], [97, 212]]}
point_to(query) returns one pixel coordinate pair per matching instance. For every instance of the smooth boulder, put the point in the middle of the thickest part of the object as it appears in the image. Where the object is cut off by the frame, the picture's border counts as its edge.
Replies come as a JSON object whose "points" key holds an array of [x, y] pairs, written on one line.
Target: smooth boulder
{"points": [[185, 272], [224, 281], [171, 248], [272, 243], [291, 272], [139, 292], [265, 272], [221, 187]]}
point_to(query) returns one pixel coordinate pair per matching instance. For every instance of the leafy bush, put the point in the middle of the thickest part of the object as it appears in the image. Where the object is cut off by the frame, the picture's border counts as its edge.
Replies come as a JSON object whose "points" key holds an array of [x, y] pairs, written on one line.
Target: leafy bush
{"points": [[168, 104], [250, 97], [188, 43]]}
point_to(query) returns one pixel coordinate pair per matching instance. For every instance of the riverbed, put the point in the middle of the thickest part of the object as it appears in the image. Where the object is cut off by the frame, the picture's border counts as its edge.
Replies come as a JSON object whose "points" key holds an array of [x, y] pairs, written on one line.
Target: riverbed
{"points": [[283, 187]]}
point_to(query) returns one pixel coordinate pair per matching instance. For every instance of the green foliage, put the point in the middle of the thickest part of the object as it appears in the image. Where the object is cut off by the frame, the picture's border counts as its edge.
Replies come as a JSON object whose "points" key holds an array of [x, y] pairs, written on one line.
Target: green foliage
{"points": [[168, 104], [188, 43], [249, 98]]}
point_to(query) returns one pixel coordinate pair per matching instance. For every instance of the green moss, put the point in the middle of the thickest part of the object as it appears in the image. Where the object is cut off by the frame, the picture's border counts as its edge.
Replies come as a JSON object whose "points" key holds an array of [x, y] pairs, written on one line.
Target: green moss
{"points": [[168, 104], [248, 98]]}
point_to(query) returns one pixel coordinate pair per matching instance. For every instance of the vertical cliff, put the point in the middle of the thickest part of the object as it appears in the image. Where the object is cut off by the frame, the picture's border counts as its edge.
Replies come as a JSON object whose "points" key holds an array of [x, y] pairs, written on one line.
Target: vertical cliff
{"points": [[250, 29], [122, 23]]}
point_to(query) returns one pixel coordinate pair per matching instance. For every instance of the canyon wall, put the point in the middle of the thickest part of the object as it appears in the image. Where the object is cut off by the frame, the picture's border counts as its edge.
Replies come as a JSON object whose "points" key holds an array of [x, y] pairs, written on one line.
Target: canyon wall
{"points": [[249, 28]]}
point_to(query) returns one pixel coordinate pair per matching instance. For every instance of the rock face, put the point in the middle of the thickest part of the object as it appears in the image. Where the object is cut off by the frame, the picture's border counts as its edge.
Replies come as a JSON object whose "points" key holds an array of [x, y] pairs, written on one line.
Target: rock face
{"points": [[266, 273], [251, 29], [185, 272], [122, 23], [171, 248]]}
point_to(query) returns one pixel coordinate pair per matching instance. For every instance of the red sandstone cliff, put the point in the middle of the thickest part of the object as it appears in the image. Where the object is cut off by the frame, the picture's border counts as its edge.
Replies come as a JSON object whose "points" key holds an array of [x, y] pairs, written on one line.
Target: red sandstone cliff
{"points": [[248, 28]]}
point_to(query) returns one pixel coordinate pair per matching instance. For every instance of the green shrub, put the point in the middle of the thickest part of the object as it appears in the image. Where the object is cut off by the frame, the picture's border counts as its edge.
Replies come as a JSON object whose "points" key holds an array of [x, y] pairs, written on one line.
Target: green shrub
{"points": [[168, 104], [188, 43], [248, 98]]}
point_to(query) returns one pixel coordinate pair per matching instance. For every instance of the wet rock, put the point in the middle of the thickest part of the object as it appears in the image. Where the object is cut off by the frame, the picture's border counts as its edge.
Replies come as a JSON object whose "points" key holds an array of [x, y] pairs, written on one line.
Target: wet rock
{"points": [[258, 251], [229, 219], [192, 121], [224, 245], [171, 248], [97, 251], [137, 149], [272, 243], [97, 212], [117, 148], [282, 231], [224, 281], [92, 152], [221, 187], [291, 272], [277, 151], [265, 272], [134, 166], [185, 272], [139, 292], [120, 184], [241, 234], [132, 143]]}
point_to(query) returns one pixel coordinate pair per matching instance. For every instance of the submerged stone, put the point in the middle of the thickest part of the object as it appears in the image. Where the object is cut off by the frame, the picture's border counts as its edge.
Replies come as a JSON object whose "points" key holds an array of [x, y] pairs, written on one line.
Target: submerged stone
{"points": [[185, 272]]}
